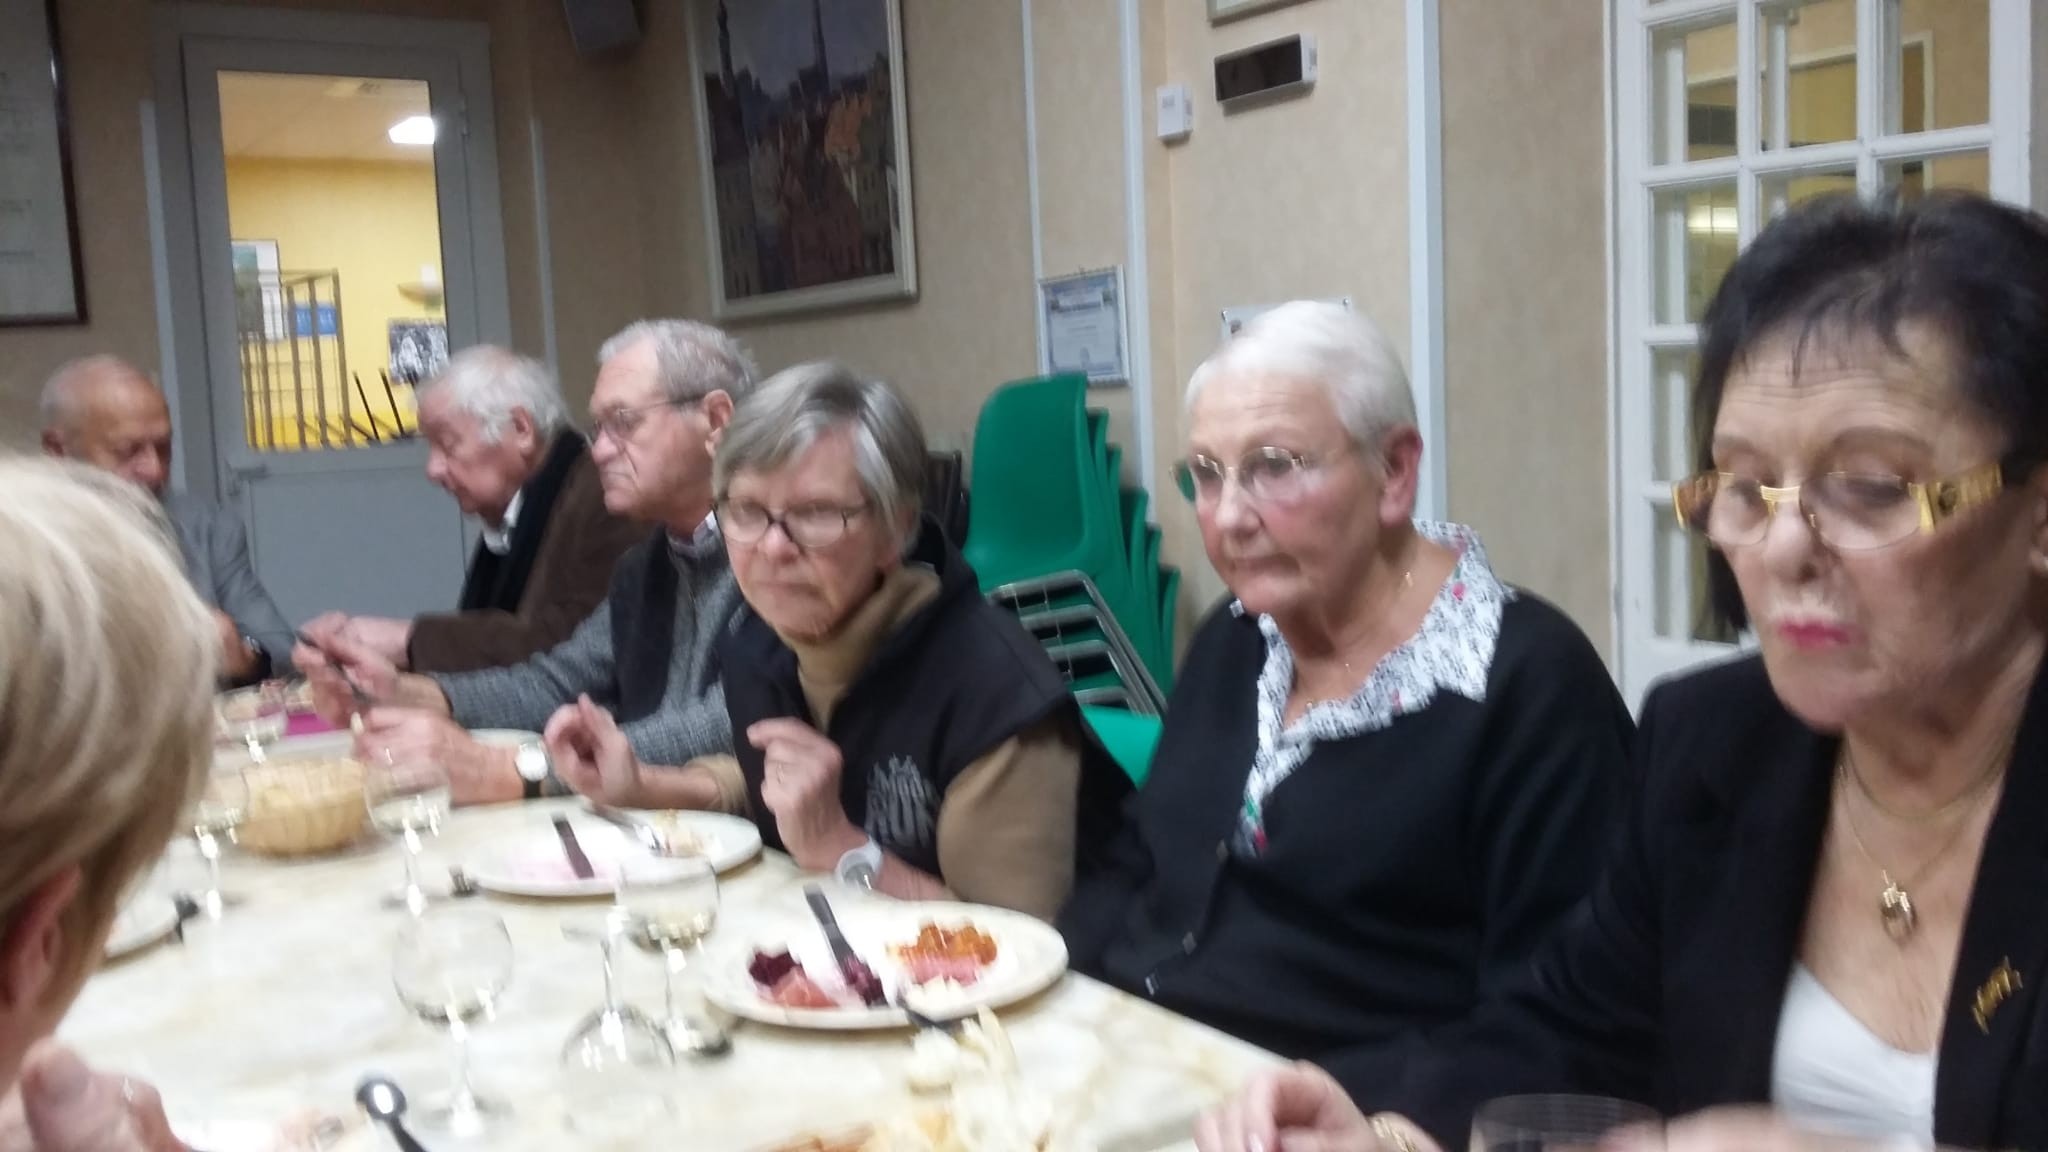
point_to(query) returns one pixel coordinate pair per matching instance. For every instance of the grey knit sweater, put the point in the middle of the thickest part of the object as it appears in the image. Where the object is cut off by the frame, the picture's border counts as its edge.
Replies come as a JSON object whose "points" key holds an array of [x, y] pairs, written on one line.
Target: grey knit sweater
{"points": [[691, 720]]}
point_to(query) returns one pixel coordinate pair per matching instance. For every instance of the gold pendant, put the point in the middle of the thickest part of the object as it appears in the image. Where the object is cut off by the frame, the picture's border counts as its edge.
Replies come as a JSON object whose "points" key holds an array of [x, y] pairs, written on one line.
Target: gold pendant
{"points": [[1897, 909]]}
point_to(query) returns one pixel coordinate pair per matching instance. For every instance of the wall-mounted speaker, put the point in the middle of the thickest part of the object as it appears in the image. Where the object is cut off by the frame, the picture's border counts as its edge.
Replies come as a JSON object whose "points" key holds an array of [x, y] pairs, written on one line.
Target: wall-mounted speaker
{"points": [[599, 26]]}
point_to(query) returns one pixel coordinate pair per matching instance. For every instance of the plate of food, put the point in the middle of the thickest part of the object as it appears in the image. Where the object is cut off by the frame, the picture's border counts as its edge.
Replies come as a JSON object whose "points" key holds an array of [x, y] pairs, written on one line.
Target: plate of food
{"points": [[149, 916], [535, 864], [726, 841], [943, 960]]}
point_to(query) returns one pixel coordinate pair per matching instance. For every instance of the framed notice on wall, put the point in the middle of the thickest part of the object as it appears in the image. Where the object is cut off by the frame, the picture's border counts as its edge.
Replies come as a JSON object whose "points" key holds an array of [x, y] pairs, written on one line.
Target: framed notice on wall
{"points": [[1081, 325], [39, 265]]}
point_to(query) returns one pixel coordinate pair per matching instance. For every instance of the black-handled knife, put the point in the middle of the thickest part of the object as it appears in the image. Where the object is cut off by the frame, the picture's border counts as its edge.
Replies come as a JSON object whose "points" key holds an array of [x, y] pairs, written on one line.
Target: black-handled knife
{"points": [[860, 979], [578, 862]]}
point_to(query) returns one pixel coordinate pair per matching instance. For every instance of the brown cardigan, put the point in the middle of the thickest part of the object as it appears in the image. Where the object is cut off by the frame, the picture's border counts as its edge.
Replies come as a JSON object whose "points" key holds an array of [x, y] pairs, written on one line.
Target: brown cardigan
{"points": [[570, 576]]}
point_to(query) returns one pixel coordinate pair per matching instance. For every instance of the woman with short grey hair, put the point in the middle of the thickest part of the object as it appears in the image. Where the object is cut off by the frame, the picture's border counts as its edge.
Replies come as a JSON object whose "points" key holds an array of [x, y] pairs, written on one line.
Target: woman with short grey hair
{"points": [[892, 727], [1384, 773]]}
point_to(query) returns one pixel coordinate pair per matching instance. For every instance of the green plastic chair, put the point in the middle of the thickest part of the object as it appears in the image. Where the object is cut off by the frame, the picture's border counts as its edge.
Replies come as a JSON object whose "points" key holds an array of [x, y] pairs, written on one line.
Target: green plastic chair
{"points": [[1035, 505], [1169, 614], [1129, 737]]}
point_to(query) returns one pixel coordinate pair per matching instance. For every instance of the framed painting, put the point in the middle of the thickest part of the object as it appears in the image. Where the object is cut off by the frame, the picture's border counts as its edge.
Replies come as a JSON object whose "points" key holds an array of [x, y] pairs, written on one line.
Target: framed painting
{"points": [[41, 277], [804, 144]]}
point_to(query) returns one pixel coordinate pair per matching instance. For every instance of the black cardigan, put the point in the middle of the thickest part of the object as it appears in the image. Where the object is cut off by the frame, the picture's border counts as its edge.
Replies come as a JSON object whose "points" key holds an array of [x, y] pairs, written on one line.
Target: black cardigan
{"points": [[1668, 985], [1408, 870]]}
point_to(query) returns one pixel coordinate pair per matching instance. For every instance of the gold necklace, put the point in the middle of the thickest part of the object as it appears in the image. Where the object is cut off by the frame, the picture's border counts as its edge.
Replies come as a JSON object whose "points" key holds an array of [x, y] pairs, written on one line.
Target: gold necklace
{"points": [[1895, 902]]}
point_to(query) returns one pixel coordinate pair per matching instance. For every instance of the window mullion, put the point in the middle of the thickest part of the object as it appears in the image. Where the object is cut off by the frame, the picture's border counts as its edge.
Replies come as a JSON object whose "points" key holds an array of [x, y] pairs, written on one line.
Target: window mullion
{"points": [[1873, 77]]}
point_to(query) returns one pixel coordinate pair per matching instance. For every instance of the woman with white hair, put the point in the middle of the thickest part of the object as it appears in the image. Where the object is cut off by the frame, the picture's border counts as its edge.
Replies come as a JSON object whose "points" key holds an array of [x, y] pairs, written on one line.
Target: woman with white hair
{"points": [[1384, 773], [890, 725], [107, 664]]}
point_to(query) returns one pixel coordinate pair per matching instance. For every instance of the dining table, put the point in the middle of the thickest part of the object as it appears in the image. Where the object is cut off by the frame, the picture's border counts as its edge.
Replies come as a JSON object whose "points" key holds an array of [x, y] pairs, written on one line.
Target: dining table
{"points": [[258, 1025]]}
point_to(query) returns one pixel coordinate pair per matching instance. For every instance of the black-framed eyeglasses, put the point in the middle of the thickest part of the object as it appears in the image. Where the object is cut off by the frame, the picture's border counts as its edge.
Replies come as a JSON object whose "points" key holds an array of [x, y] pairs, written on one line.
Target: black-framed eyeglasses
{"points": [[1850, 511], [621, 423], [808, 526], [1267, 475]]}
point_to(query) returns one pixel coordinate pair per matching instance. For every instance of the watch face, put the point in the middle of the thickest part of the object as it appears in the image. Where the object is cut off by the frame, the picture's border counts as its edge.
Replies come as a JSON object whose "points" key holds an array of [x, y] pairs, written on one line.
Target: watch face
{"points": [[532, 762]]}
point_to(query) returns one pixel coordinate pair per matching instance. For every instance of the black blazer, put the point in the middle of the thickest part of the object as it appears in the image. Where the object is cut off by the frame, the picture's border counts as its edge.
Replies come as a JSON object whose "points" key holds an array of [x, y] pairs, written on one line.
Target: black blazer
{"points": [[1667, 986]]}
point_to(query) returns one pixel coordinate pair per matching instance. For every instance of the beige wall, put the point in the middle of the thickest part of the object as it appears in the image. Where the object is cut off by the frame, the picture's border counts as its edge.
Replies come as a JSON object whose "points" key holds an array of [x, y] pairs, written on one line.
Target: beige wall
{"points": [[1524, 296]]}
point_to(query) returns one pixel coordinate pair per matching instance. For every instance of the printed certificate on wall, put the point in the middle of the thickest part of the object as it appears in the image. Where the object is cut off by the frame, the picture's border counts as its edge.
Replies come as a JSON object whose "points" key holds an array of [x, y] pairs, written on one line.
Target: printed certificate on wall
{"points": [[39, 265], [1081, 321]]}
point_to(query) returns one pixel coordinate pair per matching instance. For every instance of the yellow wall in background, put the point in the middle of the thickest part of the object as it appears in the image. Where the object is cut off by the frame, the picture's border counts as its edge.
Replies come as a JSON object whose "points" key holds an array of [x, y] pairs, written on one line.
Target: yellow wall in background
{"points": [[377, 224]]}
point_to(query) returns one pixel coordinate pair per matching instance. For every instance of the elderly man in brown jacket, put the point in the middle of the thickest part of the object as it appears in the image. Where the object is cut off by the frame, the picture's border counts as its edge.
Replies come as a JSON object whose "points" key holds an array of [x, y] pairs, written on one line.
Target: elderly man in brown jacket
{"points": [[499, 441]]}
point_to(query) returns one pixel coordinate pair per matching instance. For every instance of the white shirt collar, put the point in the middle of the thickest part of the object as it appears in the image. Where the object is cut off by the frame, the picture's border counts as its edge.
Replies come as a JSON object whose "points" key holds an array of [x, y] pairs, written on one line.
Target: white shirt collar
{"points": [[499, 539]]}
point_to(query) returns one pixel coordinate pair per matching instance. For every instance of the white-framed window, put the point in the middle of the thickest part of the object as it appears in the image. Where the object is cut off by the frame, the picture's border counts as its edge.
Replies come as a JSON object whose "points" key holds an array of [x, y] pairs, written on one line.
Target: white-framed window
{"points": [[1725, 113]]}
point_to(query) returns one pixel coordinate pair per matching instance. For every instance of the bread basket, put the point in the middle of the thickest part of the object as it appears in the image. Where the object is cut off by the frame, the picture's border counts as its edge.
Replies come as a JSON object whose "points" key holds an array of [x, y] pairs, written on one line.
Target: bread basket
{"points": [[302, 807]]}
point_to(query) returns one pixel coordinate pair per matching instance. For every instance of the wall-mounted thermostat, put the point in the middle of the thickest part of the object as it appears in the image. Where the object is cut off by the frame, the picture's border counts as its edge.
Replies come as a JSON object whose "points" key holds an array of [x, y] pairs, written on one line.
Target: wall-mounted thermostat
{"points": [[1275, 68]]}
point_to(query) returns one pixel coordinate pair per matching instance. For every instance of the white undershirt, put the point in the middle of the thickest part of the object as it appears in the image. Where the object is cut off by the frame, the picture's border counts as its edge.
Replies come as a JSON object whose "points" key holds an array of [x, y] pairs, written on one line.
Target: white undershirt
{"points": [[499, 539], [1832, 1073]]}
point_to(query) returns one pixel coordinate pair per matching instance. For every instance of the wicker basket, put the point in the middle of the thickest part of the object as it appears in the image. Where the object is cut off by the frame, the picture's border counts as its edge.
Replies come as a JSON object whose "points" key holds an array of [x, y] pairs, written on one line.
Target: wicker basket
{"points": [[302, 807]]}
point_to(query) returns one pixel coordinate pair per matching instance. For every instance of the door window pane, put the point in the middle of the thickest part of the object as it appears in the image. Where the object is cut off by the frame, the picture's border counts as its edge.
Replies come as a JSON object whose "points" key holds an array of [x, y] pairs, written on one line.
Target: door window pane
{"points": [[1694, 234], [1807, 56], [1681, 576], [1692, 104], [1782, 192], [1938, 64], [333, 206], [1970, 171], [1671, 375]]}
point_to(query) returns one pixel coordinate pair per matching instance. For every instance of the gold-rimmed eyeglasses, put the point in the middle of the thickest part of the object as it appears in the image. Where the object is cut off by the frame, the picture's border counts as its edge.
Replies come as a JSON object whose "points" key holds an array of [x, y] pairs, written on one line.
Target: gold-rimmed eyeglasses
{"points": [[621, 423], [1850, 511], [1267, 475]]}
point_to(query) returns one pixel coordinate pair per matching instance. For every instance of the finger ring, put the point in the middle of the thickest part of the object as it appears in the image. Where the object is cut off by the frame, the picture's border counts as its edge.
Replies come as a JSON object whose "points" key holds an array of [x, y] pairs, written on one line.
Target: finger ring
{"points": [[1390, 1136]]}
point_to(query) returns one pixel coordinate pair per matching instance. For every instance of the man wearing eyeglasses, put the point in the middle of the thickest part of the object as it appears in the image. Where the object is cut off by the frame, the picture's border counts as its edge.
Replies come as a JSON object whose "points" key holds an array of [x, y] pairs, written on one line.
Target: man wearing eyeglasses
{"points": [[665, 391]]}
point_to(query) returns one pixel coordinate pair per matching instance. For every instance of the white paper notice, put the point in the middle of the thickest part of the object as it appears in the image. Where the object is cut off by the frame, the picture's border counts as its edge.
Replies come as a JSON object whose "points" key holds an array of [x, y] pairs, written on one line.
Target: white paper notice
{"points": [[1084, 324]]}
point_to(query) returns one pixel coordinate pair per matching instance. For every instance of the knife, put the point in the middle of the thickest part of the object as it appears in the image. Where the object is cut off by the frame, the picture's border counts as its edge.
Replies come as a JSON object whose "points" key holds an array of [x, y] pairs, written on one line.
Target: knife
{"points": [[647, 834], [578, 862], [860, 979]]}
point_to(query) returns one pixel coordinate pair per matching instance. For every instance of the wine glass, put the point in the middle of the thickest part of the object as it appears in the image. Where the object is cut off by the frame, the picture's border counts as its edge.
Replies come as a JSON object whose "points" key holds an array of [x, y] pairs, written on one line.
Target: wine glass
{"points": [[406, 798], [669, 911], [617, 1058], [217, 809], [452, 966], [1553, 1123], [255, 717]]}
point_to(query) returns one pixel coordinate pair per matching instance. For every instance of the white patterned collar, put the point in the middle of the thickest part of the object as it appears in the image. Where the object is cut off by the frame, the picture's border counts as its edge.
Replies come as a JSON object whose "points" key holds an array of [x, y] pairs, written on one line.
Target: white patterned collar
{"points": [[498, 538], [1452, 651]]}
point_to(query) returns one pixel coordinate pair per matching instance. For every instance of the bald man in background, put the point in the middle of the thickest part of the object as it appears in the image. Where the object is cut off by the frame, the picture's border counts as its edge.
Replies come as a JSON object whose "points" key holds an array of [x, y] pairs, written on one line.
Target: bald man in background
{"points": [[103, 411]]}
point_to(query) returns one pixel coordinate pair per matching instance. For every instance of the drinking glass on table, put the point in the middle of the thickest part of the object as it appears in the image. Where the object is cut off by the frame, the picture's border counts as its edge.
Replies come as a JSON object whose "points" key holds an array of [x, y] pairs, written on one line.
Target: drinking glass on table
{"points": [[1553, 1123], [617, 1059], [254, 717], [407, 798], [669, 912], [451, 967], [216, 810]]}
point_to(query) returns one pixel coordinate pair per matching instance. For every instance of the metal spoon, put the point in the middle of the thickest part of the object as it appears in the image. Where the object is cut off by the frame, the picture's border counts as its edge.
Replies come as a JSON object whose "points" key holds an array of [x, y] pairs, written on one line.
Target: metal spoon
{"points": [[381, 1098]]}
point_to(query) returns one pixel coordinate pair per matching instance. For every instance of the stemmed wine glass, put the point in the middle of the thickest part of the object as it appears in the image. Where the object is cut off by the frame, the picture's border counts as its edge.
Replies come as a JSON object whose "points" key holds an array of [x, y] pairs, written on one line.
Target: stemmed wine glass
{"points": [[616, 1058], [452, 966], [1556, 1123], [217, 809], [407, 798], [255, 717], [669, 911]]}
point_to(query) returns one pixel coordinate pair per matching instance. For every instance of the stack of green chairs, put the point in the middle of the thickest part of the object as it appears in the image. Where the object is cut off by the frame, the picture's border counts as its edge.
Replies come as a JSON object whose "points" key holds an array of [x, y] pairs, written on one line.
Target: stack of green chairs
{"points": [[1053, 534], [1128, 736]]}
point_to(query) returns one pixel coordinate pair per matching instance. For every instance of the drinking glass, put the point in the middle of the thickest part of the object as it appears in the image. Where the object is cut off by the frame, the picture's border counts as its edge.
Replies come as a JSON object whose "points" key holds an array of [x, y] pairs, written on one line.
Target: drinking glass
{"points": [[407, 797], [617, 1059], [452, 966], [669, 911], [1553, 1123], [255, 717], [216, 810]]}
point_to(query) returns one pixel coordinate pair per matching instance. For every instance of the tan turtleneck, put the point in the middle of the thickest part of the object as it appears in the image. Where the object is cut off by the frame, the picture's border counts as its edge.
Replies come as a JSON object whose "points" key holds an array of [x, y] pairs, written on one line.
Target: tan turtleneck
{"points": [[1006, 826]]}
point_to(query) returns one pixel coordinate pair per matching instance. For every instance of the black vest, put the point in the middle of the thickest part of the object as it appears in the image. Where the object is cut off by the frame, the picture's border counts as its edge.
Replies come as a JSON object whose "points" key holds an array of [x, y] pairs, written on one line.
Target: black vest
{"points": [[499, 582], [946, 688], [651, 579]]}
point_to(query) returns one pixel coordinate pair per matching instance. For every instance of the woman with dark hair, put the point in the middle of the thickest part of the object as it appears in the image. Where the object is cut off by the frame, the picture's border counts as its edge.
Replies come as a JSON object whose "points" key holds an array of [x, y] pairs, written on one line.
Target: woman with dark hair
{"points": [[1827, 914]]}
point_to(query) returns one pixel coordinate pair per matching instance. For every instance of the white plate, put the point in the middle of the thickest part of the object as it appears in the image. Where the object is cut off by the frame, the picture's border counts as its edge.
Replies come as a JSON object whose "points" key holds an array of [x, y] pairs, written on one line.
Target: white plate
{"points": [[1030, 957], [148, 917], [531, 864], [726, 841]]}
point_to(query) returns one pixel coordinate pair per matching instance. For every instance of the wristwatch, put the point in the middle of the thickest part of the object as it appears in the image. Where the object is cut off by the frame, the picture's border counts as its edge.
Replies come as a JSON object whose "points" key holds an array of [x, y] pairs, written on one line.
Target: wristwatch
{"points": [[859, 867], [532, 761]]}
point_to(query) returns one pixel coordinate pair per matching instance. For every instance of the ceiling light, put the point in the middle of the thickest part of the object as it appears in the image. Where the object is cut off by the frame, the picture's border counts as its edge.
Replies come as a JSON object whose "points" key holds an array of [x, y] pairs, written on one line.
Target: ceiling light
{"points": [[415, 130]]}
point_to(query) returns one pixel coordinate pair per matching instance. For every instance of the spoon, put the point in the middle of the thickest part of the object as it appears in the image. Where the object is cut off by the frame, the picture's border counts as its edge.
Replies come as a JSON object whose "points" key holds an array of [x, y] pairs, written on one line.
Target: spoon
{"points": [[381, 1098]]}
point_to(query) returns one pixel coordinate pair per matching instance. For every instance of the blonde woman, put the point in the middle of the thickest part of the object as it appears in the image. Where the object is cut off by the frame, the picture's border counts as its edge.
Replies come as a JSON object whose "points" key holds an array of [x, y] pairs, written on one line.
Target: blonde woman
{"points": [[107, 662]]}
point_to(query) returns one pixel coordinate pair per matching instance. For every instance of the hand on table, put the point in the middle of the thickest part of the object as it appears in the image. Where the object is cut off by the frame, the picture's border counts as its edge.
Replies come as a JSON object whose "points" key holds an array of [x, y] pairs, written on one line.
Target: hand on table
{"points": [[336, 668], [592, 756], [237, 659], [389, 639], [62, 1105], [477, 773], [1300, 1109], [800, 785]]}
